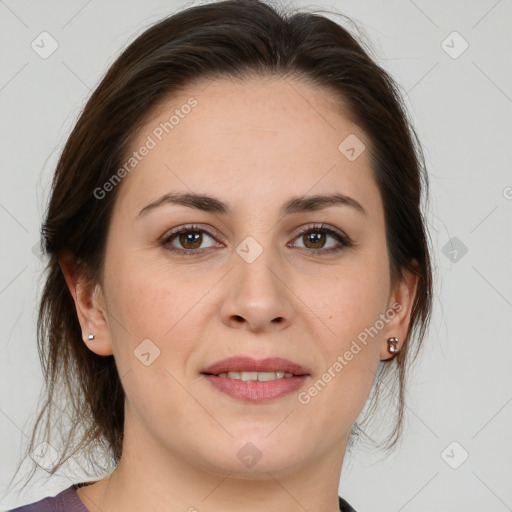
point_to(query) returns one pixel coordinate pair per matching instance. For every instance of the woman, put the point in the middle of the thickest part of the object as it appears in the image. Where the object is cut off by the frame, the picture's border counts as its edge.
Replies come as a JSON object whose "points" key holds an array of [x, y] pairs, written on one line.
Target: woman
{"points": [[238, 257]]}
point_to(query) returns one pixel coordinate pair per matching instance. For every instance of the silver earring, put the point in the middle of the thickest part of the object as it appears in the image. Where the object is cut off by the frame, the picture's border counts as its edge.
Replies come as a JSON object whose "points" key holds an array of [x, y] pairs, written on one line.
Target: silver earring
{"points": [[393, 345], [91, 337]]}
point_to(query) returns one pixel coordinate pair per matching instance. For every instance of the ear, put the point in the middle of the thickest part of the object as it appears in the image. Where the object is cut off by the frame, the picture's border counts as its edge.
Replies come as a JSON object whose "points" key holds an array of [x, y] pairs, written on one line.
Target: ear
{"points": [[89, 303], [399, 310]]}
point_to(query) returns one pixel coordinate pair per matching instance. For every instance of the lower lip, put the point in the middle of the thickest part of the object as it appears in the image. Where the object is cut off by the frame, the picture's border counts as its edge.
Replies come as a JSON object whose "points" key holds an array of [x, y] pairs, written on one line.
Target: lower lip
{"points": [[254, 390]]}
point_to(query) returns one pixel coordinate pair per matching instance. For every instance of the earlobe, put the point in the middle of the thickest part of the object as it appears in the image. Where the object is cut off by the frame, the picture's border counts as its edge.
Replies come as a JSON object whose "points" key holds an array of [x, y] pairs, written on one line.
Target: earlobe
{"points": [[401, 302], [90, 308]]}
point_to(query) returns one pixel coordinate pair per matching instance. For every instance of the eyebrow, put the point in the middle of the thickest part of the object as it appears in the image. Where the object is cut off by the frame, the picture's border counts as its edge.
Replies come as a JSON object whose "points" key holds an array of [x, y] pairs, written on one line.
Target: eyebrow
{"points": [[294, 205]]}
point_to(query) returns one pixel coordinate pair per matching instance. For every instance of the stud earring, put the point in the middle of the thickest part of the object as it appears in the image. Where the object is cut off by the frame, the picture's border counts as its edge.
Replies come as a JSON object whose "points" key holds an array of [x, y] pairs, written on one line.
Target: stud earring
{"points": [[91, 337], [393, 345]]}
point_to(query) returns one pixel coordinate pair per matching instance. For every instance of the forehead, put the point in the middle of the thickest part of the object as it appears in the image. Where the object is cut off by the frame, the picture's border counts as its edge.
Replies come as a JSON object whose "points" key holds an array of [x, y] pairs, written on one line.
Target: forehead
{"points": [[252, 142]]}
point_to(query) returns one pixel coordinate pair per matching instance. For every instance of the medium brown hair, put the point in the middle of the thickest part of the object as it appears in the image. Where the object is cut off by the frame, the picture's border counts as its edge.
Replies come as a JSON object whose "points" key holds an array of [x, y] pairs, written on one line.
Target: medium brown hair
{"points": [[236, 39]]}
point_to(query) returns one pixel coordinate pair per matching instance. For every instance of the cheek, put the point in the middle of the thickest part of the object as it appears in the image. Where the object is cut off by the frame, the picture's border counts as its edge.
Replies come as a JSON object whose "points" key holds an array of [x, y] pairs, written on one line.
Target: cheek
{"points": [[353, 302], [152, 312], [350, 305], [156, 302], [347, 300], [149, 297]]}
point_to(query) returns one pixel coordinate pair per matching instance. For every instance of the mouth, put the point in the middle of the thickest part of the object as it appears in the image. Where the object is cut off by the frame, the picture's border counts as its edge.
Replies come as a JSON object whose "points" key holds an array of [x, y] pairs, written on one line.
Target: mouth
{"points": [[249, 365], [248, 379]]}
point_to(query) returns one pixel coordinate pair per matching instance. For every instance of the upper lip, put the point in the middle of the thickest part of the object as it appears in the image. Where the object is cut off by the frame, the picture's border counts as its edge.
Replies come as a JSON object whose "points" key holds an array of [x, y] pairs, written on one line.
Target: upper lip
{"points": [[247, 363]]}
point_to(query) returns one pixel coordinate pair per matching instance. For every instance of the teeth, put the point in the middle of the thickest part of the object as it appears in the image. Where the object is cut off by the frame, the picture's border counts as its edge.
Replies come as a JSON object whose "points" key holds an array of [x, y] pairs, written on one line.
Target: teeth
{"points": [[261, 376]]}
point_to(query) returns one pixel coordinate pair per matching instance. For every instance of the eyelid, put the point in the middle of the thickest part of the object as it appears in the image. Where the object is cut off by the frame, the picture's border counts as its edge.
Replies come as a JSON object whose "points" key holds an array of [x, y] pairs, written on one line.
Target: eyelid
{"points": [[211, 231], [344, 240], [327, 228]]}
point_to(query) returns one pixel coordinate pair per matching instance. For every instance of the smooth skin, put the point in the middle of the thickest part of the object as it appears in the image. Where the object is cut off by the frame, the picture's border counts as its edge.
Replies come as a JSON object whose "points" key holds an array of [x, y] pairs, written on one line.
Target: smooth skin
{"points": [[253, 146]]}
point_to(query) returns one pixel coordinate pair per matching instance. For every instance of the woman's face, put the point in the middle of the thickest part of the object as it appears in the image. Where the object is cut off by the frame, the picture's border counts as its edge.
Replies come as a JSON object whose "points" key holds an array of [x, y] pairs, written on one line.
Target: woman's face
{"points": [[255, 277]]}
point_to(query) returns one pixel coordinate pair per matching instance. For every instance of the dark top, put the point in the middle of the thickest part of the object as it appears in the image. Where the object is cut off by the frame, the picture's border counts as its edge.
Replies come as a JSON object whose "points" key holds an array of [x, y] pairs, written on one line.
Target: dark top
{"points": [[68, 501], [344, 506], [65, 501]]}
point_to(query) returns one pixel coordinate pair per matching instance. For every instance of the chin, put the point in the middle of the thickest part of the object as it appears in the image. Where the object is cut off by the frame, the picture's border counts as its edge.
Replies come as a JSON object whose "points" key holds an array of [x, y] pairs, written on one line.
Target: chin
{"points": [[252, 457]]}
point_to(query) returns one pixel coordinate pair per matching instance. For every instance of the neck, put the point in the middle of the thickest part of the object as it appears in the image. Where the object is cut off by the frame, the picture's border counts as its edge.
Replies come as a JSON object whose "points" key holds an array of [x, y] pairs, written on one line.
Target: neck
{"points": [[150, 478]]}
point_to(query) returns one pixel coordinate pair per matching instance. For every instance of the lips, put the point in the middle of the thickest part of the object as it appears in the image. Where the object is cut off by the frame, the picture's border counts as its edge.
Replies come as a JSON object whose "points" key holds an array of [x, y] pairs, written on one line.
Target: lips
{"points": [[256, 391], [248, 364]]}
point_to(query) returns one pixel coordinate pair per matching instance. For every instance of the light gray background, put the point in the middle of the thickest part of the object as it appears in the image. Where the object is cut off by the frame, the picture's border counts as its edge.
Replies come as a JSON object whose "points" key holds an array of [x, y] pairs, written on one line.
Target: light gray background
{"points": [[461, 390]]}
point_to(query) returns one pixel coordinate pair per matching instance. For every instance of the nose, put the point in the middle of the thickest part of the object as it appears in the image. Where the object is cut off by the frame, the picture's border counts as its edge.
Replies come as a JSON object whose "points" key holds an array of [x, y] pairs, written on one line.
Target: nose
{"points": [[258, 298]]}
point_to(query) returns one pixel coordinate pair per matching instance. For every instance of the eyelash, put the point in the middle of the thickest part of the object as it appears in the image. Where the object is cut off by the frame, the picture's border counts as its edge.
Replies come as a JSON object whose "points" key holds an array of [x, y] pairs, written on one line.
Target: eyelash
{"points": [[343, 239]]}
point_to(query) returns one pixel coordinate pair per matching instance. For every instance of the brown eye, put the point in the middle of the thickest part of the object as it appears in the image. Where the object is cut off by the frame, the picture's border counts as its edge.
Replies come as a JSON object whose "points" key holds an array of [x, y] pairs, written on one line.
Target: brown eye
{"points": [[187, 240], [193, 238], [315, 240]]}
